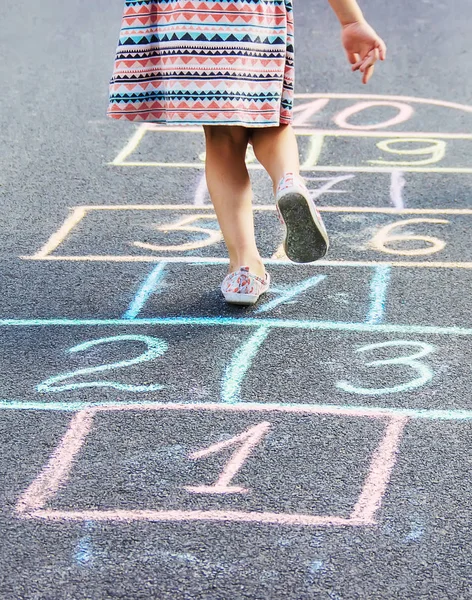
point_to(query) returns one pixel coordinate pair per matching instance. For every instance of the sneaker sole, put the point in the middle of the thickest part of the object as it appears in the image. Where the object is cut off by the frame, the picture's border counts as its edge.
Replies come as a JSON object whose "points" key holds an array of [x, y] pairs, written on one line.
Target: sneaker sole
{"points": [[305, 241], [243, 299]]}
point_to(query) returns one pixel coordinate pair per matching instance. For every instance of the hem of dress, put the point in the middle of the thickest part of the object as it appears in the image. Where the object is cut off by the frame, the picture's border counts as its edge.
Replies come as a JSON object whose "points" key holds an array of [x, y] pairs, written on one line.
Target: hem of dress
{"points": [[248, 124]]}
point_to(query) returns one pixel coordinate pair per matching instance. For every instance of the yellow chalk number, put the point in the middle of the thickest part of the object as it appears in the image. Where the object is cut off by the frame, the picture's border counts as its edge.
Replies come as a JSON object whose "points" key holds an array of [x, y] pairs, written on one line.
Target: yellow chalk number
{"points": [[387, 236], [212, 236], [434, 151]]}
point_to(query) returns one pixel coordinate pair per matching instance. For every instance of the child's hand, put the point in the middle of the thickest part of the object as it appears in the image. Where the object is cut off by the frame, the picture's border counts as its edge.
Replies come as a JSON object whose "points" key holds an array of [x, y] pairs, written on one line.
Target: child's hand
{"points": [[363, 47]]}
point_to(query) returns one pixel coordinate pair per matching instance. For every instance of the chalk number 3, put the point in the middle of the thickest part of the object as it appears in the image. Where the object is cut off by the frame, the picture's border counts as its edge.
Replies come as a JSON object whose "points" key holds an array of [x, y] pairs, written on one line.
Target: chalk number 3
{"points": [[424, 372], [155, 347]]}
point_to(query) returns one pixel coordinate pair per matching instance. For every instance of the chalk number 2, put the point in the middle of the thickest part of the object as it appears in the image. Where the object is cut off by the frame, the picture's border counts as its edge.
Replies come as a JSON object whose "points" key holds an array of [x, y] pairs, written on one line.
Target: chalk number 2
{"points": [[424, 372], [155, 347]]}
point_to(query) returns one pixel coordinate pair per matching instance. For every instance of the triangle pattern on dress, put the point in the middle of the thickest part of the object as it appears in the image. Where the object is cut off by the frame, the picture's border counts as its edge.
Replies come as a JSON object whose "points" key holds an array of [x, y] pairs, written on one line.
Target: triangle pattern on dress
{"points": [[213, 61]]}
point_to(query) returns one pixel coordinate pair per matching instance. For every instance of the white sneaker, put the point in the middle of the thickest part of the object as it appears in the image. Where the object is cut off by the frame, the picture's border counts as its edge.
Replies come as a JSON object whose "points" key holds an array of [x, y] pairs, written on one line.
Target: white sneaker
{"points": [[306, 238], [243, 287]]}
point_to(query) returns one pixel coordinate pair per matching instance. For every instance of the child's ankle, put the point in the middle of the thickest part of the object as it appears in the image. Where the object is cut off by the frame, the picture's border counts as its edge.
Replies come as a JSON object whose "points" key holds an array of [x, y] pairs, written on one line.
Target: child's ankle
{"points": [[289, 179], [256, 266]]}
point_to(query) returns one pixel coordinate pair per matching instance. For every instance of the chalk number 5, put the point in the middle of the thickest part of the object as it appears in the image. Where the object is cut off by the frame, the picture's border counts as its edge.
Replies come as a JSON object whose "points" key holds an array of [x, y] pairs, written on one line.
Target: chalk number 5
{"points": [[424, 372], [185, 224]]}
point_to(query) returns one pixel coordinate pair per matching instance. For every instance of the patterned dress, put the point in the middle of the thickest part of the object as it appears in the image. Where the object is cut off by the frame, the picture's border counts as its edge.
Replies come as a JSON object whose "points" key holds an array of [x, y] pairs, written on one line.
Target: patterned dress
{"points": [[221, 62]]}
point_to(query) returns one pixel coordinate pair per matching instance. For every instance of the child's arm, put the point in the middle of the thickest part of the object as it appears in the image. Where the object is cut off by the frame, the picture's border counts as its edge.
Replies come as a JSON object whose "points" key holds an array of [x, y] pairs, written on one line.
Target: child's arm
{"points": [[362, 44], [347, 11]]}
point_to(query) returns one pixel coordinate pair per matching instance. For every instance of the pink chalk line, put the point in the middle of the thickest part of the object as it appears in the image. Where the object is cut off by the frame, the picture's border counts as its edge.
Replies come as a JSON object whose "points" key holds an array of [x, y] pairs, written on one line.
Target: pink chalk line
{"points": [[193, 515], [248, 407], [55, 474], [397, 183], [380, 470]]}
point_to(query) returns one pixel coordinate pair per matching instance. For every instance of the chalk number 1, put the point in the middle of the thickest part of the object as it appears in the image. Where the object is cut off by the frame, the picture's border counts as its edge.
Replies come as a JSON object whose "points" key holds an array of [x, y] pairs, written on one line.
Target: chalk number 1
{"points": [[424, 372]]}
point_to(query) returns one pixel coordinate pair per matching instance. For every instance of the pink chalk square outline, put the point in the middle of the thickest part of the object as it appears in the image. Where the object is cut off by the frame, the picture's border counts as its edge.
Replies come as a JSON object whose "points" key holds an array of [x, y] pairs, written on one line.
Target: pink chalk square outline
{"points": [[32, 503]]}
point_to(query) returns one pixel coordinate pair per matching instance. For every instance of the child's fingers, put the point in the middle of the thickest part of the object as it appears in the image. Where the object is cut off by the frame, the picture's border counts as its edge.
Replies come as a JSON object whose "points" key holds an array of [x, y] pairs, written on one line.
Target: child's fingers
{"points": [[368, 74], [352, 57], [357, 63], [382, 49], [369, 60], [367, 68], [365, 62]]}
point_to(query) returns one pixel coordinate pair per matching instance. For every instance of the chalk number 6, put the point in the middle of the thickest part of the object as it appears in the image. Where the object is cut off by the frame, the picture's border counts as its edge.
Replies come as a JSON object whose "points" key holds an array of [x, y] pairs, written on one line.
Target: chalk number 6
{"points": [[384, 236], [425, 374]]}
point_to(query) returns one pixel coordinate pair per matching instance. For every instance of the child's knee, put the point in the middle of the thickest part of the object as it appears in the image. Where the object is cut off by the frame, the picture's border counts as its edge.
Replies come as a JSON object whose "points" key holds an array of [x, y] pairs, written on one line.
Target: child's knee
{"points": [[226, 136]]}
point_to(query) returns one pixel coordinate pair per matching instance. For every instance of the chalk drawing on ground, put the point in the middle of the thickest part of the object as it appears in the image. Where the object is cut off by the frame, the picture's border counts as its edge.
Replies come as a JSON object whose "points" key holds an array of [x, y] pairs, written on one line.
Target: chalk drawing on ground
{"points": [[35, 501]]}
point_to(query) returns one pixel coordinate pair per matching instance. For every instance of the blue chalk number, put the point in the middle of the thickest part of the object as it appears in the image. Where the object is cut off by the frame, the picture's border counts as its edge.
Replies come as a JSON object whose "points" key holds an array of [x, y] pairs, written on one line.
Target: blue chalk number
{"points": [[155, 347], [425, 373]]}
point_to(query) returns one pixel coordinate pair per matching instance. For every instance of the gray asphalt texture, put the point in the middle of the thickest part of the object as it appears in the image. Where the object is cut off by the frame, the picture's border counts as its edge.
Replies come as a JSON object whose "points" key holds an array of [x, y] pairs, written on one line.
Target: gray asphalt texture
{"points": [[56, 148]]}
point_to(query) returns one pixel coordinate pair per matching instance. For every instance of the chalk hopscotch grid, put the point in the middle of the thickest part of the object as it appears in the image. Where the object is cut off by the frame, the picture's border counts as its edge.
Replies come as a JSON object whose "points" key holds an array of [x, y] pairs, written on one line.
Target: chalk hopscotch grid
{"points": [[317, 137], [311, 103], [236, 370], [57, 470], [33, 502], [78, 213], [379, 285], [378, 293], [318, 102]]}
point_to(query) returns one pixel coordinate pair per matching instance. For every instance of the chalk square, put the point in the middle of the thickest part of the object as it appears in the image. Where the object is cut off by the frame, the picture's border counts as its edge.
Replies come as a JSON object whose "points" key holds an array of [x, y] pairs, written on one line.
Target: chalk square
{"points": [[340, 368], [187, 233], [146, 233], [32, 357], [33, 502]]}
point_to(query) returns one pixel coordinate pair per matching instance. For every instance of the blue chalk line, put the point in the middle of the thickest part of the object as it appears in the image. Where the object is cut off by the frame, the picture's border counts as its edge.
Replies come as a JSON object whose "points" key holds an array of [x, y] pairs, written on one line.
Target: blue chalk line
{"points": [[245, 322], [240, 363], [378, 294], [147, 288]]}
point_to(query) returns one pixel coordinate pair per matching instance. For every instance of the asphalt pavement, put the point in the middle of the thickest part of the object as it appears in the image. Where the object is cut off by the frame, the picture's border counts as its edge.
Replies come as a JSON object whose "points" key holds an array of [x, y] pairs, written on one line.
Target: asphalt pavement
{"points": [[157, 443]]}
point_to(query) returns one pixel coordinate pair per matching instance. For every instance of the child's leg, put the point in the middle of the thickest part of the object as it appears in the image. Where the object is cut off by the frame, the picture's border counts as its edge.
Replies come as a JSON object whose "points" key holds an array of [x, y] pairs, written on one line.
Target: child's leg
{"points": [[230, 191], [306, 238], [276, 149]]}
